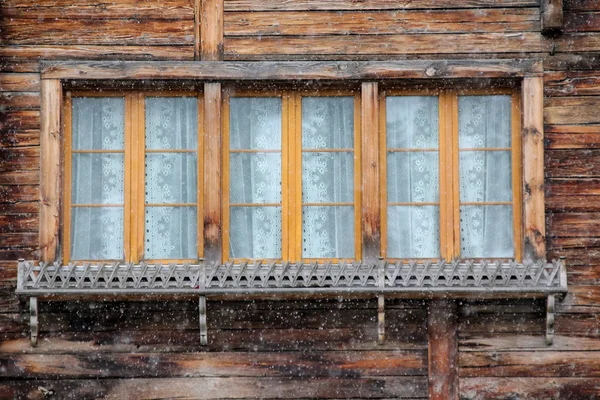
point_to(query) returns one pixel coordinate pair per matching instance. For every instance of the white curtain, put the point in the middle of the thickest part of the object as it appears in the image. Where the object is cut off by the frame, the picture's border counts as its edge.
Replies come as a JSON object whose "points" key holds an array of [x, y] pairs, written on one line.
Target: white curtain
{"points": [[328, 177], [171, 178], [97, 178], [485, 176], [255, 177], [412, 176]]}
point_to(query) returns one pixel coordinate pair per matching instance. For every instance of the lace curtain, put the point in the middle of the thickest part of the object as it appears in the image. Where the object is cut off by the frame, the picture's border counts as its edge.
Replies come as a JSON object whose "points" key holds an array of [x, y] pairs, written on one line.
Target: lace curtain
{"points": [[328, 177], [171, 178], [255, 177], [485, 170], [412, 177], [98, 126]]}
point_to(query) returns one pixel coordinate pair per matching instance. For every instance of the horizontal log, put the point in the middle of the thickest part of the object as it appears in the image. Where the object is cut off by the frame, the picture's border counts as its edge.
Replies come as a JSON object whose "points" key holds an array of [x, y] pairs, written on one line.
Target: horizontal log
{"points": [[389, 44], [54, 52], [581, 251], [31, 177], [233, 388], [572, 83], [282, 5], [577, 323], [572, 195], [20, 223], [572, 136], [19, 159], [20, 239], [19, 208], [522, 342], [501, 323], [571, 62], [469, 308], [573, 224], [582, 21], [19, 120], [11, 194], [580, 299], [581, 5], [564, 187], [579, 273], [572, 203], [572, 110], [19, 66], [575, 42], [19, 82], [291, 70], [19, 100], [572, 163], [97, 32], [529, 364], [17, 138], [528, 388], [381, 22], [104, 9], [215, 364], [17, 253]]}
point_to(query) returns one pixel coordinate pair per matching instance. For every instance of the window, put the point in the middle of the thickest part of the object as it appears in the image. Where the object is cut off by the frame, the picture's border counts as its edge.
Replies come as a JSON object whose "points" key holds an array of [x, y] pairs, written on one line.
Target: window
{"points": [[292, 175], [451, 174], [132, 175]]}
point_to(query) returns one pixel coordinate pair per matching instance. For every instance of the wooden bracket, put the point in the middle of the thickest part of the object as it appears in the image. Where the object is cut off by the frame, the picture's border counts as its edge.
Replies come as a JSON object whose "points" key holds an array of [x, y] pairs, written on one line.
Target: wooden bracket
{"points": [[33, 320], [552, 15], [380, 319], [550, 309], [203, 325]]}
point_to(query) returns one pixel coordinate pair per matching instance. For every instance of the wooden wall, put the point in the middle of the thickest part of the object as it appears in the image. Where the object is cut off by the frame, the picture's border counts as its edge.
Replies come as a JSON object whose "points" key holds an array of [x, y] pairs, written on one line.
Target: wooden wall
{"points": [[304, 349]]}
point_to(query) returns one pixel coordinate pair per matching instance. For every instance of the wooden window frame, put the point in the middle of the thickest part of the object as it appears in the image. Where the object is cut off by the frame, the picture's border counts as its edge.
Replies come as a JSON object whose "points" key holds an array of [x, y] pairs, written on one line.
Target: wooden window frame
{"points": [[134, 171], [291, 161], [449, 202]]}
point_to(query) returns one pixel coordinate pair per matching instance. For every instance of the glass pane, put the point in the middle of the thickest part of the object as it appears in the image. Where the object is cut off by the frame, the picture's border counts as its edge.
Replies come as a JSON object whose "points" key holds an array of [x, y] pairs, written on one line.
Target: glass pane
{"points": [[171, 178], [97, 233], [327, 122], [413, 232], [171, 233], [484, 121], [486, 231], [327, 177], [171, 123], [98, 123], [97, 178], [485, 176], [413, 177], [412, 122], [255, 177], [255, 232], [328, 232], [255, 123]]}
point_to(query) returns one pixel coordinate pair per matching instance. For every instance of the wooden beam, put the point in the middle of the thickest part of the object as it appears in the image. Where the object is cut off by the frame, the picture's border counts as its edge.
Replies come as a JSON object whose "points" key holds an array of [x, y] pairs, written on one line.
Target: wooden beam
{"points": [[212, 172], [50, 159], [291, 70], [371, 224], [533, 169], [552, 15], [442, 330], [211, 30]]}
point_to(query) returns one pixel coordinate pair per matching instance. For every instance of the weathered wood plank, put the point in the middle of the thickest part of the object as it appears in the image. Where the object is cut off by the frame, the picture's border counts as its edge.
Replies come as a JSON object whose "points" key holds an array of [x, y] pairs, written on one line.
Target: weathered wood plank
{"points": [[19, 223], [98, 32], [582, 22], [581, 5], [101, 9], [19, 159], [571, 62], [573, 224], [572, 83], [292, 70], [50, 166], [234, 388], [10, 194], [577, 323], [552, 15], [211, 30], [572, 110], [580, 299], [521, 342], [283, 5], [14, 138], [19, 82], [19, 66], [442, 329], [371, 224], [213, 168], [574, 42], [28, 207], [19, 120], [381, 22], [19, 100], [559, 137], [54, 52], [20, 177], [584, 252], [533, 169], [502, 323], [572, 196], [529, 388], [251, 47], [21, 239], [582, 163], [530, 364]]}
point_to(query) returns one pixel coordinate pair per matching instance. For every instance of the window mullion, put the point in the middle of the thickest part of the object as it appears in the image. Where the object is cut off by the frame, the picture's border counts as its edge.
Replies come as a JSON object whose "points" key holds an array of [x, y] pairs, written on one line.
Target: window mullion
{"points": [[454, 171], [225, 183], [516, 175], [68, 182], [295, 176]]}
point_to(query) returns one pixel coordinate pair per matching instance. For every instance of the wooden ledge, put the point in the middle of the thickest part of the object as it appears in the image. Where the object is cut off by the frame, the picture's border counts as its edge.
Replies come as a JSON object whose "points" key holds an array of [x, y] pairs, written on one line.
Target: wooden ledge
{"points": [[290, 70]]}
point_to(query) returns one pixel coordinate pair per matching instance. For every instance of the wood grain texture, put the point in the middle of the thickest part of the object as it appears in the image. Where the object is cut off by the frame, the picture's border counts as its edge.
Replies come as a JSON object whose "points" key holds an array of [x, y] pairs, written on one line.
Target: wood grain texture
{"points": [[529, 388], [572, 83], [571, 62], [552, 15], [442, 329], [572, 110], [581, 5], [582, 21], [211, 30], [381, 22], [523, 342], [580, 163], [564, 137], [19, 82], [84, 51], [371, 224]]}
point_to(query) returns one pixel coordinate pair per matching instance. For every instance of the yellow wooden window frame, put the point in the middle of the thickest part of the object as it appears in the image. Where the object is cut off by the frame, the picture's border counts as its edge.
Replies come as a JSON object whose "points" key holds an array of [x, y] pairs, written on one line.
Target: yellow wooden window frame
{"points": [[134, 171], [449, 201], [291, 153]]}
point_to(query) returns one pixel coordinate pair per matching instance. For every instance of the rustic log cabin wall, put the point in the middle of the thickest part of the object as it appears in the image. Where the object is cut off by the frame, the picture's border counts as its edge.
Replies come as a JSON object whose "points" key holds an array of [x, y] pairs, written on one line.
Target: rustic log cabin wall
{"points": [[303, 349]]}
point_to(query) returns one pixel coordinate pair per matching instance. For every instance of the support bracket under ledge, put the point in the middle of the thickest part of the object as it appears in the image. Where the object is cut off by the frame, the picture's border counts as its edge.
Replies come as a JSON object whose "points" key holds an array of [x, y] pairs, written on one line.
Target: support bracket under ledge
{"points": [[550, 309], [33, 320], [203, 324]]}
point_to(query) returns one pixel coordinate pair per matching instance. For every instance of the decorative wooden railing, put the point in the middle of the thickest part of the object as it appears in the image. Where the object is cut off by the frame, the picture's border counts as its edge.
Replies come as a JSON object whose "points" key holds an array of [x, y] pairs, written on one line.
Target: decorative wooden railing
{"points": [[414, 279]]}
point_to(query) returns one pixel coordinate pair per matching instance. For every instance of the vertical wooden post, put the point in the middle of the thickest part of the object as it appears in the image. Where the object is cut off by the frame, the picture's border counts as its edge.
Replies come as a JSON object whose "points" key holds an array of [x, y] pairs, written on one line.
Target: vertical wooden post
{"points": [[212, 172], [442, 330], [371, 223], [211, 30], [197, 30], [533, 169], [552, 15], [50, 164]]}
